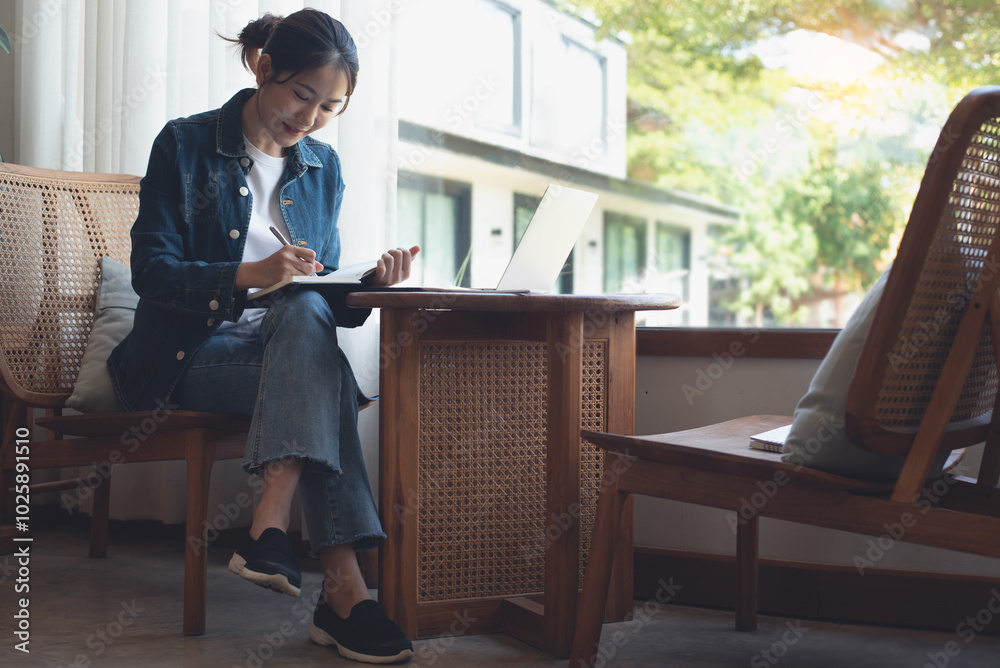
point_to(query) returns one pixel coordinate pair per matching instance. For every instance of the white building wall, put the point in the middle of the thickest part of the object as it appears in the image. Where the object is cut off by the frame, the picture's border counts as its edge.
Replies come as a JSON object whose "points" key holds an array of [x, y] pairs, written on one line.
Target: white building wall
{"points": [[450, 74]]}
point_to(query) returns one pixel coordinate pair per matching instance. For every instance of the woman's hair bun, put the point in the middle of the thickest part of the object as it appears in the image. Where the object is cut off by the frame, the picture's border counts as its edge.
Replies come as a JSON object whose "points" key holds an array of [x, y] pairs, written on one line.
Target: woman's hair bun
{"points": [[253, 37]]}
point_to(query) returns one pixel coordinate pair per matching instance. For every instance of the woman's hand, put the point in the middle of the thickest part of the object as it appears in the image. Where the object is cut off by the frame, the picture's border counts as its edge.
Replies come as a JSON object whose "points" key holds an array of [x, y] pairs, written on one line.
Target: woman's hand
{"points": [[394, 266], [288, 261]]}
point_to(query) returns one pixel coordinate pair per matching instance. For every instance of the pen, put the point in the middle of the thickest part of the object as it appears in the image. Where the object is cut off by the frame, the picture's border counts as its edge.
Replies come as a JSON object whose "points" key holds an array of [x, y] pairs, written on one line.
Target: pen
{"points": [[281, 237], [283, 240]]}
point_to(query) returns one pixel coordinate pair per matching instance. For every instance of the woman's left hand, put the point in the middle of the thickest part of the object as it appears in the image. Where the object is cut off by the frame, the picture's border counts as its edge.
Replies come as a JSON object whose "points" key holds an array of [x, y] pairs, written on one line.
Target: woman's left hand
{"points": [[394, 266]]}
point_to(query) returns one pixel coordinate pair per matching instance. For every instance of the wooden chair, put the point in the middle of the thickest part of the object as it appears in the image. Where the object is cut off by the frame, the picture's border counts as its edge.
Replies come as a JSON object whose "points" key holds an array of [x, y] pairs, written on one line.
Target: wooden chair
{"points": [[54, 228], [919, 389]]}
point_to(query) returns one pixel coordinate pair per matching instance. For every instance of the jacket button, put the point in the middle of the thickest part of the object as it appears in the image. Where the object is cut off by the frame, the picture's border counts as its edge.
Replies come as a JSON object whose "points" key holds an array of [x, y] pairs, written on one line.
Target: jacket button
{"points": [[244, 161], [180, 355], [214, 304], [234, 234], [210, 322], [244, 191]]}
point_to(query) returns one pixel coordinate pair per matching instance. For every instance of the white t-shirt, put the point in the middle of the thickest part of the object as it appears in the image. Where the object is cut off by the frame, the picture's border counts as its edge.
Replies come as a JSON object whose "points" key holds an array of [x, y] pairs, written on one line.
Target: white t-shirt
{"points": [[263, 181]]}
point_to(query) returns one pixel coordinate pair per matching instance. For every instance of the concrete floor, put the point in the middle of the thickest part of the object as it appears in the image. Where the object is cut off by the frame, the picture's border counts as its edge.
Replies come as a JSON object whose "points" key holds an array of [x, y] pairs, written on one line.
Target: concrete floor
{"points": [[125, 610]]}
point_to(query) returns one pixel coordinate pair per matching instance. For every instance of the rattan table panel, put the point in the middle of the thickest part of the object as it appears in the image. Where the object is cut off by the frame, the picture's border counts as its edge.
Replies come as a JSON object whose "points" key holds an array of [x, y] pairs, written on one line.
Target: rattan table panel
{"points": [[482, 530], [594, 417]]}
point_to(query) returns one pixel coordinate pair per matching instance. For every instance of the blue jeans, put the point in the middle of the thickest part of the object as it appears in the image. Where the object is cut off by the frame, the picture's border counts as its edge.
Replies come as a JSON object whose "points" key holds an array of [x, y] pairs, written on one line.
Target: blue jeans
{"points": [[292, 377]]}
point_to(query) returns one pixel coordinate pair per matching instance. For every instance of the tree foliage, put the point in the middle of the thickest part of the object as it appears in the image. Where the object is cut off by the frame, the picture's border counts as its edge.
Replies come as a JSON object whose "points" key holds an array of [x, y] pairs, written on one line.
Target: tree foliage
{"points": [[824, 169]]}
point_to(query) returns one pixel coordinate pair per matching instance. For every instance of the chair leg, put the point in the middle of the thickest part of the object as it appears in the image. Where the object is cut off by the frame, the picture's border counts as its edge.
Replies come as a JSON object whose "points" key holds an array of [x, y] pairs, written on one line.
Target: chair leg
{"points": [[99, 514], [199, 470], [17, 417], [747, 535], [594, 597], [6, 497]]}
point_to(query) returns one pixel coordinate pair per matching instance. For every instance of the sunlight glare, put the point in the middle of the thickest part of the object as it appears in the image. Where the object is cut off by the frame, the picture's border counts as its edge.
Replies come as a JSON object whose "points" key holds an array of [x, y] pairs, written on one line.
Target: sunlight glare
{"points": [[817, 56]]}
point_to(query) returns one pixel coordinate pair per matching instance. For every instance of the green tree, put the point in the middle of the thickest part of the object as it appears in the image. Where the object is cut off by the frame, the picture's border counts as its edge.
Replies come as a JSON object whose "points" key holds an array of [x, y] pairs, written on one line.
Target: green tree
{"points": [[823, 170]]}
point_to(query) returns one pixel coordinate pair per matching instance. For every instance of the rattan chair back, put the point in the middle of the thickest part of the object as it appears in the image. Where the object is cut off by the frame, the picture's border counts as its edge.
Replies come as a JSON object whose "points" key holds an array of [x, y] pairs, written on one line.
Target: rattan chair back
{"points": [[937, 295], [54, 228]]}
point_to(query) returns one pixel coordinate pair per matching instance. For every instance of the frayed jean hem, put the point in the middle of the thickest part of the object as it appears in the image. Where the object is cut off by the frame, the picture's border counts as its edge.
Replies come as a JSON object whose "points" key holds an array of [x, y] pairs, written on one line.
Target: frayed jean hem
{"points": [[361, 542]]}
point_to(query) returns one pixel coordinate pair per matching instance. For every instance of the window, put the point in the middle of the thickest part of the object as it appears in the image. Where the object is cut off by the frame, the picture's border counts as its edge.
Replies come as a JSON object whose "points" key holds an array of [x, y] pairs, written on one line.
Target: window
{"points": [[459, 66], [624, 251], [498, 52], [524, 209], [435, 214], [673, 263], [585, 111], [569, 105]]}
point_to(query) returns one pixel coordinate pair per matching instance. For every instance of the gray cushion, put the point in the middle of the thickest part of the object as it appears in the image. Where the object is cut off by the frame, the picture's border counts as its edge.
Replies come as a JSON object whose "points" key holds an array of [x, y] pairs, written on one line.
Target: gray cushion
{"points": [[116, 302], [817, 438]]}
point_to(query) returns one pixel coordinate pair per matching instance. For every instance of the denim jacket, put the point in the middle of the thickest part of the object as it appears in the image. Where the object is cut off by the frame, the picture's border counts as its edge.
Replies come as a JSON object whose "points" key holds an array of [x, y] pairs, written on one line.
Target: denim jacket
{"points": [[187, 243]]}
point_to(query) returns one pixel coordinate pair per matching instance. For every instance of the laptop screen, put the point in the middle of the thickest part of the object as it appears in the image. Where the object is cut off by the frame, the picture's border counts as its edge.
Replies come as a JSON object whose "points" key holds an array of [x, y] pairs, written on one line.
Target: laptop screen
{"points": [[548, 240]]}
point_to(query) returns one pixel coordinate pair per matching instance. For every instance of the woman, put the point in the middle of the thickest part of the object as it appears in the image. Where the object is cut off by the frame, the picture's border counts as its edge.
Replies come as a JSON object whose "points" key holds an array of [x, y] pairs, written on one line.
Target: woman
{"points": [[215, 184]]}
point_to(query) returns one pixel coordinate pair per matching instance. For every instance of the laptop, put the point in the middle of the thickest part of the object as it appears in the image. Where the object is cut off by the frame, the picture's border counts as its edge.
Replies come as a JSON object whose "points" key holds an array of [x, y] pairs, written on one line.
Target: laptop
{"points": [[542, 251], [547, 241]]}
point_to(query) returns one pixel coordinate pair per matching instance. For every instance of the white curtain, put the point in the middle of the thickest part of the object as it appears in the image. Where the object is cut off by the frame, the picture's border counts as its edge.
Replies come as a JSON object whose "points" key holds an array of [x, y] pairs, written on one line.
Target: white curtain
{"points": [[95, 81]]}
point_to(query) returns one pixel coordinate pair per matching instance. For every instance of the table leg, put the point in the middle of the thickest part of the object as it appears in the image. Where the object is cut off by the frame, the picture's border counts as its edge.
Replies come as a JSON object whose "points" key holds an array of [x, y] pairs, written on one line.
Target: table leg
{"points": [[399, 360], [621, 420], [562, 513]]}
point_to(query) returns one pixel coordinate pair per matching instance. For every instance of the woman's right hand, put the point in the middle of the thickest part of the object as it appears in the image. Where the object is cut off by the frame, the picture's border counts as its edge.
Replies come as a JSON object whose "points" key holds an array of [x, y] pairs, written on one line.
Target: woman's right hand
{"points": [[288, 261]]}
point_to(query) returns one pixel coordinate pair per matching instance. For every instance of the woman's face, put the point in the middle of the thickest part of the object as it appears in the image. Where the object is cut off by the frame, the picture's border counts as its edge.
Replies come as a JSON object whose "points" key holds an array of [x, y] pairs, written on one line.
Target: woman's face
{"points": [[280, 114]]}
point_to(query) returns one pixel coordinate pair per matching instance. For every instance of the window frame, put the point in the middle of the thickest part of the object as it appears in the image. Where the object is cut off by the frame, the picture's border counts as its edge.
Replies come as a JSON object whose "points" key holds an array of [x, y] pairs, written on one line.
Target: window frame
{"points": [[602, 60], [516, 127], [755, 343]]}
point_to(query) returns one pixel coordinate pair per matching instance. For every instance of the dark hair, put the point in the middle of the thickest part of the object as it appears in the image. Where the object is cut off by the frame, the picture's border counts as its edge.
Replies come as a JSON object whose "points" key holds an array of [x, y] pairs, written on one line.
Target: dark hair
{"points": [[305, 40]]}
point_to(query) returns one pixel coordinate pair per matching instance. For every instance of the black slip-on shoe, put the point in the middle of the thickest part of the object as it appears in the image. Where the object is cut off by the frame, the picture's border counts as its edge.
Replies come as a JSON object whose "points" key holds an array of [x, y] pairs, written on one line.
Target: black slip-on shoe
{"points": [[366, 635], [269, 562]]}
